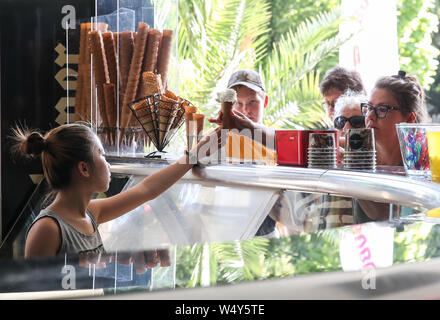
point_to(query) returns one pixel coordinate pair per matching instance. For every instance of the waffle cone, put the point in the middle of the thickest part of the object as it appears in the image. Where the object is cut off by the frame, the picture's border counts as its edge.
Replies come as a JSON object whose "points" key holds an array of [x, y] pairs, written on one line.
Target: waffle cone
{"points": [[151, 84], [167, 110], [110, 53], [199, 118], [88, 94], [189, 109], [83, 88], [100, 71], [84, 46], [154, 37], [81, 93], [126, 45], [164, 55], [180, 117], [135, 71], [171, 95], [110, 102], [145, 116], [79, 98]]}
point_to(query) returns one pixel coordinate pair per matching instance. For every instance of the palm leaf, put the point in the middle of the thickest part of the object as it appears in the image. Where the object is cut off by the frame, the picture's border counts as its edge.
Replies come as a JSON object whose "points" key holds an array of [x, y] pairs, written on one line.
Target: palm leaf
{"points": [[241, 260], [222, 37]]}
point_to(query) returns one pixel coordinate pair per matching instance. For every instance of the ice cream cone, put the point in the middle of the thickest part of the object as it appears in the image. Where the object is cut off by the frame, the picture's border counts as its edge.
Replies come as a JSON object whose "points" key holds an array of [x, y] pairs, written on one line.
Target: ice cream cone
{"points": [[199, 118], [227, 98], [190, 130]]}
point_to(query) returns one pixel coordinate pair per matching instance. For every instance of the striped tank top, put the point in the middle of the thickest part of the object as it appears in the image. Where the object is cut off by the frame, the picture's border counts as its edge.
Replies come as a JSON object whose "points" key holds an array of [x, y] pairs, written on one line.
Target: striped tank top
{"points": [[73, 241]]}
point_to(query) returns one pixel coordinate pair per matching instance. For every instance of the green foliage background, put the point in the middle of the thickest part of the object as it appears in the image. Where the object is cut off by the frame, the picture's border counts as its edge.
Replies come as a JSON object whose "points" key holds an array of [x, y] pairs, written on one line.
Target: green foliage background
{"points": [[433, 95], [417, 23], [290, 14], [292, 44], [220, 36]]}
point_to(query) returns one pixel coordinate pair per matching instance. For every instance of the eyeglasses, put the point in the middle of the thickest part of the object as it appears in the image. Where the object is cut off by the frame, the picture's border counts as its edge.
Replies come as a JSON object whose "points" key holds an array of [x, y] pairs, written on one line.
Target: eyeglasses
{"points": [[326, 105], [355, 122], [381, 110]]}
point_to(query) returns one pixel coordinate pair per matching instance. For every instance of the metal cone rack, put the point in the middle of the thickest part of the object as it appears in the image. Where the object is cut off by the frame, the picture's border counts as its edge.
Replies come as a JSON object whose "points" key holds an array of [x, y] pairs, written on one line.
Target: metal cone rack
{"points": [[159, 117]]}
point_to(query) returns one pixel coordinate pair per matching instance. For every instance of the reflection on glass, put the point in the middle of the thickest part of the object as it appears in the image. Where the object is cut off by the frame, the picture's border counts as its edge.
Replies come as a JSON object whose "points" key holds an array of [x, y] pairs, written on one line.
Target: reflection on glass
{"points": [[350, 248], [189, 213], [299, 212], [367, 246]]}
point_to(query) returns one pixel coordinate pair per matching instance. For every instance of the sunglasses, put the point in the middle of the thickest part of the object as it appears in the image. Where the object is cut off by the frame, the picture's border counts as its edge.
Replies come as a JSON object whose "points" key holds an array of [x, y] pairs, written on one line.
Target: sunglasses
{"points": [[355, 122]]}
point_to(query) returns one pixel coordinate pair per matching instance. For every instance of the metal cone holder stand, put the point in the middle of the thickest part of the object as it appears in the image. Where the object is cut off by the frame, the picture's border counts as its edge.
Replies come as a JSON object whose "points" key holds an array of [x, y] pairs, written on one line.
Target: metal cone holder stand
{"points": [[360, 149], [322, 150], [160, 118]]}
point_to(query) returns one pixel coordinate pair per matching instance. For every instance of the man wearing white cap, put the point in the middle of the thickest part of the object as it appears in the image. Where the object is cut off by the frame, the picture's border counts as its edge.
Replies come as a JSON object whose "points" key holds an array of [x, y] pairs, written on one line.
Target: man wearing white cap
{"points": [[251, 94], [247, 113]]}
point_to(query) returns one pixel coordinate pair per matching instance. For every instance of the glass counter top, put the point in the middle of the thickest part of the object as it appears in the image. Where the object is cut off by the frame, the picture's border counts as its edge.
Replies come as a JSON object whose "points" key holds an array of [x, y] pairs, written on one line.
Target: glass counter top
{"points": [[200, 233], [385, 183]]}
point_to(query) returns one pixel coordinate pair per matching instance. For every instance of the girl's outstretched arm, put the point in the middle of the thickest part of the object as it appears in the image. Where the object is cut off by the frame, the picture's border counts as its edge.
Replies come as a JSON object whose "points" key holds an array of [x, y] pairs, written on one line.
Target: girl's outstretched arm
{"points": [[149, 188]]}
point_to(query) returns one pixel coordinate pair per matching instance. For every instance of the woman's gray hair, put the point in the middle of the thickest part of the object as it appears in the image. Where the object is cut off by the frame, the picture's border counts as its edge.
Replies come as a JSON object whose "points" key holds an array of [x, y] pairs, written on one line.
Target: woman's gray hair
{"points": [[351, 99]]}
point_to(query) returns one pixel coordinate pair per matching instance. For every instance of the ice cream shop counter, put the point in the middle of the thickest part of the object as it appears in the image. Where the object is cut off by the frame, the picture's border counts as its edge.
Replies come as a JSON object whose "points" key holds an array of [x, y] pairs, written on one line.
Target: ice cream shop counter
{"points": [[353, 231]]}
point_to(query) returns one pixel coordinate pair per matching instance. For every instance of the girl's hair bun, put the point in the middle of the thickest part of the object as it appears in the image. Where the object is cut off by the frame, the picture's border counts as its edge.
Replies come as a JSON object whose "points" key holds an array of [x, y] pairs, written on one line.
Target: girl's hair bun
{"points": [[62, 148], [34, 144]]}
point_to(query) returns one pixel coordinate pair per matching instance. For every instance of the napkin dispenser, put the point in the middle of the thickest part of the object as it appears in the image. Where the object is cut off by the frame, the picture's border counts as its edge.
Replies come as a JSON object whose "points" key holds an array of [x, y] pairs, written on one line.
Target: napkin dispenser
{"points": [[292, 146]]}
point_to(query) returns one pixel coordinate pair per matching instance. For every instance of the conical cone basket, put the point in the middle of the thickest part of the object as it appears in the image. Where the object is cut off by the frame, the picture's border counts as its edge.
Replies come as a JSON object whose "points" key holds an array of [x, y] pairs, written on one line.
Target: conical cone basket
{"points": [[159, 116]]}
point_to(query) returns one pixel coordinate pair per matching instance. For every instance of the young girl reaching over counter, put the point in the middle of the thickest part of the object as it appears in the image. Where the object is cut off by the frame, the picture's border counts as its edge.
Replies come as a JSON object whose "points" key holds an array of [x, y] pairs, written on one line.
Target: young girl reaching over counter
{"points": [[75, 168]]}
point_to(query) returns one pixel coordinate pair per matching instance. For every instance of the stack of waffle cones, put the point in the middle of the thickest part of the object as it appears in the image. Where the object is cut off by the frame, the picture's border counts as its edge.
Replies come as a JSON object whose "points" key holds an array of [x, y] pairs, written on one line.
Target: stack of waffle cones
{"points": [[111, 74]]}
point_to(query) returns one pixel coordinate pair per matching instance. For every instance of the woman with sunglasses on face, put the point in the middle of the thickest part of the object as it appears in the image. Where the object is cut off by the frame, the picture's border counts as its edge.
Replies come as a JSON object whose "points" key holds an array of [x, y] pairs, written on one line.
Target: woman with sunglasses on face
{"points": [[338, 210], [348, 115], [394, 99]]}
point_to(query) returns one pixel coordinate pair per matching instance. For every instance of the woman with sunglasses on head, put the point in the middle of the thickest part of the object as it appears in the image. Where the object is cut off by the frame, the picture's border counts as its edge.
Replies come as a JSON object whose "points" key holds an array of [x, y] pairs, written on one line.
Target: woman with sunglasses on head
{"points": [[394, 99]]}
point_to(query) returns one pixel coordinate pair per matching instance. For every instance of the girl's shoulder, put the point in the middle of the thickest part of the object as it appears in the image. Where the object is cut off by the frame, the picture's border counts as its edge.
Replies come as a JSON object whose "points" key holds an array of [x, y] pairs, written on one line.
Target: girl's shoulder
{"points": [[43, 237], [46, 224]]}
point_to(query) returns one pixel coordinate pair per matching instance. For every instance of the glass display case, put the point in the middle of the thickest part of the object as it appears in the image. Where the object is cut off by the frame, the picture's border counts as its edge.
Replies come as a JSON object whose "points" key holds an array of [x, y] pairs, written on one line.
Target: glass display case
{"points": [[127, 51], [71, 60], [201, 233], [333, 225]]}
